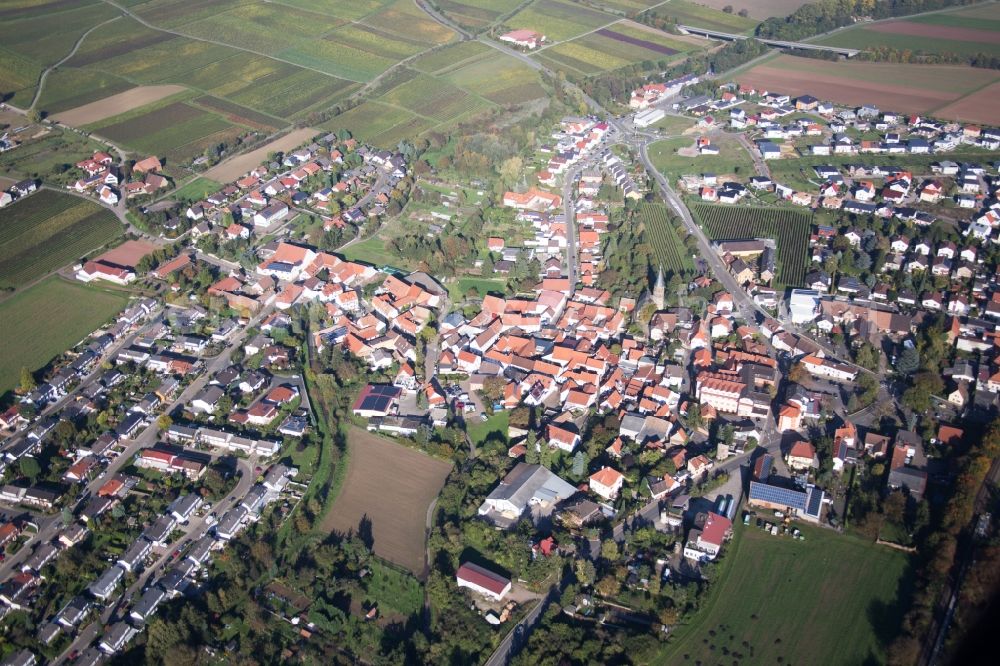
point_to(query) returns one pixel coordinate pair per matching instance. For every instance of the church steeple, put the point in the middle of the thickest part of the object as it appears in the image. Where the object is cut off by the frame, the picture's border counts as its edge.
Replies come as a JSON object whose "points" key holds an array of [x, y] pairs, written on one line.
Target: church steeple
{"points": [[660, 291]]}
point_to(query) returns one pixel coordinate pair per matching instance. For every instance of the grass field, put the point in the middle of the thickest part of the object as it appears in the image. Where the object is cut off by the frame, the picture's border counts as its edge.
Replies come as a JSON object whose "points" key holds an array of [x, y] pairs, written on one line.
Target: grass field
{"points": [[57, 150], [48, 230], [196, 189], [372, 251], [480, 431], [45, 320], [459, 287], [789, 228], [671, 254], [732, 159], [392, 486], [831, 599]]}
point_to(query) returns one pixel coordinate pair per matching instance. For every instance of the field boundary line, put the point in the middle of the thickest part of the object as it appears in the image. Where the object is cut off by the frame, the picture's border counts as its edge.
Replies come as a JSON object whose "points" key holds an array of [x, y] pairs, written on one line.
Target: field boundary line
{"points": [[582, 34], [981, 88], [45, 74]]}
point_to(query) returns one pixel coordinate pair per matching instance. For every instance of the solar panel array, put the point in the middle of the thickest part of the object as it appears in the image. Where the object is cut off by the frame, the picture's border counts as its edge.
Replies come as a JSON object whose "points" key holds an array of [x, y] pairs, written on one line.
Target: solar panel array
{"points": [[777, 495]]}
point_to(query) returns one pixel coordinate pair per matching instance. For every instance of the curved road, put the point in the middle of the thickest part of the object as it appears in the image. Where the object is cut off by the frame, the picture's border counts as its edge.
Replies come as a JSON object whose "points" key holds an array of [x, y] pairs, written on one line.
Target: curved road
{"points": [[45, 74]]}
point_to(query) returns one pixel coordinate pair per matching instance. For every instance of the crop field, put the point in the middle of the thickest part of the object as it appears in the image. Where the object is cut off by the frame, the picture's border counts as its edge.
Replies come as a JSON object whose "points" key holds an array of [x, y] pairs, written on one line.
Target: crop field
{"points": [[758, 9], [44, 320], [234, 167], [477, 13], [700, 16], [451, 57], [670, 251], [404, 19], [433, 98], [614, 47], [48, 230], [48, 39], [368, 119], [673, 157], [559, 21], [788, 590], [240, 115], [502, 79], [904, 88], [178, 131], [116, 104], [353, 10], [391, 486], [943, 32], [789, 228]]}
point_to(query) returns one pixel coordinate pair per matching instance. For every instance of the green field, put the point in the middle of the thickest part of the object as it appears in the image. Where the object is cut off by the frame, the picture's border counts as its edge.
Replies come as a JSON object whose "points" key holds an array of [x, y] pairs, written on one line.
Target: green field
{"points": [[610, 49], [480, 431], [831, 599], [789, 228], [476, 13], [559, 21], [196, 190], [48, 230], [671, 254], [458, 288], [732, 159], [372, 251], [45, 320], [55, 152], [699, 16], [177, 130]]}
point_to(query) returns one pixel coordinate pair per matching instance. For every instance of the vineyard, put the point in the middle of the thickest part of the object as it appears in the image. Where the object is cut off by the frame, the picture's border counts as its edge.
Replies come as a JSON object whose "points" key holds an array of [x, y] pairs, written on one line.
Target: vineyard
{"points": [[47, 231], [789, 228], [670, 252]]}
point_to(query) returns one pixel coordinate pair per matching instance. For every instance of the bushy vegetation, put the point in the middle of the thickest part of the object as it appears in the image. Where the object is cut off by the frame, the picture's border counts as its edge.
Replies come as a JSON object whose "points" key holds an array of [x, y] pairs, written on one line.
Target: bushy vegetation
{"points": [[815, 18]]}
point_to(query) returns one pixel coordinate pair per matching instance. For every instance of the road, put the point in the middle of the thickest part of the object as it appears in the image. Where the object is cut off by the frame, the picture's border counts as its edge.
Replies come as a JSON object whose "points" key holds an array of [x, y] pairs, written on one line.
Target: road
{"points": [[518, 635], [194, 530]]}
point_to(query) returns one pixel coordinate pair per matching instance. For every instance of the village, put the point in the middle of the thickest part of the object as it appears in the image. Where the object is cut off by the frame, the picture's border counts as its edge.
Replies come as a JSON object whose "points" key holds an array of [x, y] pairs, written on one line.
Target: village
{"points": [[659, 408]]}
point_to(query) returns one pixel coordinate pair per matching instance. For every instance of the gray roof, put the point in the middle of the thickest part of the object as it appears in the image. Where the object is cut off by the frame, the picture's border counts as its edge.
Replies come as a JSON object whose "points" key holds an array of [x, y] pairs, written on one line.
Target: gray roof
{"points": [[531, 484]]}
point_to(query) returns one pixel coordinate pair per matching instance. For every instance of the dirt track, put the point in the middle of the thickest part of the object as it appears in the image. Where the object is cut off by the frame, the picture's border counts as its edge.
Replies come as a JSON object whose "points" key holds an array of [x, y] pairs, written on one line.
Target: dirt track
{"points": [[231, 169], [116, 104], [392, 486]]}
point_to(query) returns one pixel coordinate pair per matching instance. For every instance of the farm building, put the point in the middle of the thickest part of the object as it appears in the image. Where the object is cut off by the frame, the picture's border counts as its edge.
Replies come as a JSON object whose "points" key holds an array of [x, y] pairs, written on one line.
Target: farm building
{"points": [[482, 581]]}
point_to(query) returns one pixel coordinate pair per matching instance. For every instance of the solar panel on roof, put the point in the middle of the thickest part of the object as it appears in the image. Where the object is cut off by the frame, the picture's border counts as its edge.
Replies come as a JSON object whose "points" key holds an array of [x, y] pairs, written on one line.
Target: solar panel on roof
{"points": [[777, 495]]}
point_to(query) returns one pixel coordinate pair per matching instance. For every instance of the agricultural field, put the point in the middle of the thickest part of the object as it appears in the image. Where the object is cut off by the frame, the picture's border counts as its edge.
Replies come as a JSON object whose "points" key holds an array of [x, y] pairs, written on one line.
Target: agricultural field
{"points": [[559, 21], [788, 227], [435, 99], [477, 13], [788, 589], [43, 321], [234, 167], [451, 57], [116, 104], [391, 486], [48, 230], [671, 255], [178, 131], [758, 9], [403, 19], [610, 48], [952, 31], [677, 157], [904, 88], [700, 16], [502, 79], [352, 11]]}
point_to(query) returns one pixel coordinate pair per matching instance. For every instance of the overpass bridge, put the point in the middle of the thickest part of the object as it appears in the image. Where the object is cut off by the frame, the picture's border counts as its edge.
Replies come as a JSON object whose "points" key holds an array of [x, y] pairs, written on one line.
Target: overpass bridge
{"points": [[729, 37]]}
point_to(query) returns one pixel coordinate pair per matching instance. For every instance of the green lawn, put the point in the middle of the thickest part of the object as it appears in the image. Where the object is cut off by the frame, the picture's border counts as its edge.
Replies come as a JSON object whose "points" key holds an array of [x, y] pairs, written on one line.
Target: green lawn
{"points": [[41, 322], [479, 431], [732, 159], [458, 288], [372, 251], [830, 599], [674, 124], [196, 190]]}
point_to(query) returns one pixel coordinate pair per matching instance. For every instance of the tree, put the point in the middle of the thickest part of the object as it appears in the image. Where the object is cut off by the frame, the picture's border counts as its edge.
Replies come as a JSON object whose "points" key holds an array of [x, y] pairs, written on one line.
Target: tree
{"points": [[35, 116], [27, 381], [164, 422], [531, 444], [579, 464], [585, 571], [744, 13], [30, 468], [908, 361], [493, 388], [728, 9], [609, 550]]}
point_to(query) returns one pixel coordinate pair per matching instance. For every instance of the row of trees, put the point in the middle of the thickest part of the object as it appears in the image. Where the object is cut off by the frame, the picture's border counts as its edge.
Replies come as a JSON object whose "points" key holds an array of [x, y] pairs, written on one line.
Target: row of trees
{"points": [[922, 57], [826, 15]]}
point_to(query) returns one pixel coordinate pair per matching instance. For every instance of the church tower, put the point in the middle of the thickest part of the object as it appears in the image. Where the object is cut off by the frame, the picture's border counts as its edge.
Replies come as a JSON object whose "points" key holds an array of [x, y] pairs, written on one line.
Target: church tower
{"points": [[660, 291]]}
